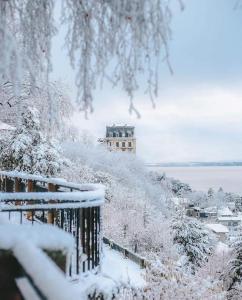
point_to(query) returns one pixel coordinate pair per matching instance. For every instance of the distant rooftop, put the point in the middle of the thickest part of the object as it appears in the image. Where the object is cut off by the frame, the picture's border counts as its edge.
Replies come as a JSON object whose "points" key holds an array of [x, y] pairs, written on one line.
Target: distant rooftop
{"points": [[120, 131]]}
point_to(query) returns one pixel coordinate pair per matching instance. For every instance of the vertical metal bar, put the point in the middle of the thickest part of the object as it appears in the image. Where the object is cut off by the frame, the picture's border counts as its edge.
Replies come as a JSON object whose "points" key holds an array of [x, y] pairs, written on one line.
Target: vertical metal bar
{"points": [[43, 216], [83, 236], [62, 218], [70, 220], [98, 234], [21, 217], [96, 240], [77, 238], [92, 236], [88, 238]]}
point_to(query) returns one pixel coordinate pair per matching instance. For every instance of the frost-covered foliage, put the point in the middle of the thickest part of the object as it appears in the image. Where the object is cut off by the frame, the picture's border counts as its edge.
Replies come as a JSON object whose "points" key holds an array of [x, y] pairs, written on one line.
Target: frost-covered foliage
{"points": [[27, 150], [193, 240], [134, 210], [233, 275], [179, 188], [50, 99], [134, 35]]}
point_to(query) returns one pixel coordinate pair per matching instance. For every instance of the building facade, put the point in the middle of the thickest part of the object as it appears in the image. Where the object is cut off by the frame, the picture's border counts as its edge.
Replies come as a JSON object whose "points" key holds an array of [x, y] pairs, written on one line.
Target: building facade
{"points": [[120, 138]]}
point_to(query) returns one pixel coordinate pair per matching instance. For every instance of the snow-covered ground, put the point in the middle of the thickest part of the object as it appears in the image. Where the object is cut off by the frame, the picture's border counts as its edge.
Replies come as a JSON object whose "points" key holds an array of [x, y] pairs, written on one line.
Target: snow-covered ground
{"points": [[121, 269]]}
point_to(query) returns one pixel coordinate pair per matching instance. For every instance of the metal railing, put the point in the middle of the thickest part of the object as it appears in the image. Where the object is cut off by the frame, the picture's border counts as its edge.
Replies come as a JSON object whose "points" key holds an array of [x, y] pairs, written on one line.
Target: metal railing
{"points": [[73, 207], [126, 253]]}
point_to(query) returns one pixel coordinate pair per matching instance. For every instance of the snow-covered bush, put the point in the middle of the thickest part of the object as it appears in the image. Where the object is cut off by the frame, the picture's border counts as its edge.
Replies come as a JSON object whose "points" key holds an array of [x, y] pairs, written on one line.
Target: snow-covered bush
{"points": [[27, 150], [194, 242]]}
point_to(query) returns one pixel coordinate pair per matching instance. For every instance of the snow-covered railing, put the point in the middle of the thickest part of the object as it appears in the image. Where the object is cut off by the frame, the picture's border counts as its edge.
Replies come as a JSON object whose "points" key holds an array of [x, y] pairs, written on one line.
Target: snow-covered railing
{"points": [[75, 208]]}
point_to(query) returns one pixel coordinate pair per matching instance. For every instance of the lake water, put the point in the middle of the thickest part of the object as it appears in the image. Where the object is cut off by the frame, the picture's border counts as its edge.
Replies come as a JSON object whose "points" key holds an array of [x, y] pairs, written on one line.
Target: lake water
{"points": [[202, 178]]}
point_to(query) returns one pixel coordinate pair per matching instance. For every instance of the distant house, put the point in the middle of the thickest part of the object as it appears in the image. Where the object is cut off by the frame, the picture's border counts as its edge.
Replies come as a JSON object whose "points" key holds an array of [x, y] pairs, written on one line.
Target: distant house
{"points": [[225, 212], [230, 221], [193, 211], [209, 212], [220, 230], [120, 139]]}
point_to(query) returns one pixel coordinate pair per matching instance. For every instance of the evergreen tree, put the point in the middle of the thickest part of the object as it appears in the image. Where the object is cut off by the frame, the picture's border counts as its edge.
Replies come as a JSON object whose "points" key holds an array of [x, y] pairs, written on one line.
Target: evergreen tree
{"points": [[233, 274], [27, 150], [193, 240]]}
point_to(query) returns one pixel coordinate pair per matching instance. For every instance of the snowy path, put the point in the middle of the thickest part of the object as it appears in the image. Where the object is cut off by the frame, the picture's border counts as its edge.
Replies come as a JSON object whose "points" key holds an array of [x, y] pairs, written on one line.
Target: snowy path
{"points": [[122, 269]]}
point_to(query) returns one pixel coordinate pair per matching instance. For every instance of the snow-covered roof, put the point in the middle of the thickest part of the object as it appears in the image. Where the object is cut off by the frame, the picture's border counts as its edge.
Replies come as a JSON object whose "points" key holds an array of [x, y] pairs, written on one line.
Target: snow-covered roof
{"points": [[225, 211], [4, 126], [44, 236], [217, 228], [232, 218], [210, 209], [178, 200]]}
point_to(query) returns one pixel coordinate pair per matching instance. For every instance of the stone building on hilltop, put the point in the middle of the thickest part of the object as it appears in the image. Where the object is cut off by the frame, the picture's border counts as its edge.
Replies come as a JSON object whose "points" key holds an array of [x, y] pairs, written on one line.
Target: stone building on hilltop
{"points": [[120, 138]]}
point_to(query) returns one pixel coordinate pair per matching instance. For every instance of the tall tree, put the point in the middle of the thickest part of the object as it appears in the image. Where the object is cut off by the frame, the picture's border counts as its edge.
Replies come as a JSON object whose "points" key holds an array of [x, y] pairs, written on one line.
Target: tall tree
{"points": [[194, 242]]}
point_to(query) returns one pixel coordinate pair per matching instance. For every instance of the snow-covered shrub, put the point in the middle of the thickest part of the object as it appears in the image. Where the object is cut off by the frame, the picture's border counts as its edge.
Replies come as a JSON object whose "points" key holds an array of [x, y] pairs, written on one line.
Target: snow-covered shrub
{"points": [[194, 242], [27, 150]]}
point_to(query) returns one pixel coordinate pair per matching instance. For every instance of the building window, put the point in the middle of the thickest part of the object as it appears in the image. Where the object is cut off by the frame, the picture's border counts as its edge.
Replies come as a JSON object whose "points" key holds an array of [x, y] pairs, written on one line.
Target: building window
{"points": [[130, 144], [117, 144], [120, 134], [110, 144], [123, 144]]}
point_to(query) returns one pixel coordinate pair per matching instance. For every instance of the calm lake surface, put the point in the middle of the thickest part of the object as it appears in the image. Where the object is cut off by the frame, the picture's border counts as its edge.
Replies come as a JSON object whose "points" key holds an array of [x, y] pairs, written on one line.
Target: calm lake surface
{"points": [[202, 178]]}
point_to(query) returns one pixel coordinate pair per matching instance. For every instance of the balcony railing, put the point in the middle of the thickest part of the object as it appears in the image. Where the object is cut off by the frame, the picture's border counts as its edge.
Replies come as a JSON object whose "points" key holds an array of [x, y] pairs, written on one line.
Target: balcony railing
{"points": [[73, 207]]}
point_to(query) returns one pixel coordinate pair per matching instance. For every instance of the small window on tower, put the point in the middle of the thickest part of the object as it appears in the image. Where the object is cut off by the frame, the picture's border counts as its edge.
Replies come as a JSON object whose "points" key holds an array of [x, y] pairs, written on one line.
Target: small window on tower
{"points": [[130, 144], [117, 144], [123, 144]]}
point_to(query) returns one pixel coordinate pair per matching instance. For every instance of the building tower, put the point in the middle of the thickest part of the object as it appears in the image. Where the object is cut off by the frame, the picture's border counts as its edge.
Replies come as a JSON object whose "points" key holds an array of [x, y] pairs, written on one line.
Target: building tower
{"points": [[120, 138]]}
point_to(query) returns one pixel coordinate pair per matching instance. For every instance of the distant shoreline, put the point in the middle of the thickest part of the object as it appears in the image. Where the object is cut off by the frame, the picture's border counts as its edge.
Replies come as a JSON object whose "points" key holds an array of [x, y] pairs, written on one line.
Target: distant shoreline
{"points": [[196, 164]]}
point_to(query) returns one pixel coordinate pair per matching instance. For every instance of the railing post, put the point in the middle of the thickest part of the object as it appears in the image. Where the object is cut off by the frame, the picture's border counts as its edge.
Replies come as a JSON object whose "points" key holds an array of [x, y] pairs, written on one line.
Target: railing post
{"points": [[9, 185], [51, 215], [17, 188], [30, 189]]}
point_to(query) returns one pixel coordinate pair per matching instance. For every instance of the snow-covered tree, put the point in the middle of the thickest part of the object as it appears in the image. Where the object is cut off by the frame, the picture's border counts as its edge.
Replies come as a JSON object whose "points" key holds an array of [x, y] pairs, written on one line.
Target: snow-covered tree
{"points": [[180, 189], [134, 35], [49, 98], [27, 150], [233, 275], [194, 242]]}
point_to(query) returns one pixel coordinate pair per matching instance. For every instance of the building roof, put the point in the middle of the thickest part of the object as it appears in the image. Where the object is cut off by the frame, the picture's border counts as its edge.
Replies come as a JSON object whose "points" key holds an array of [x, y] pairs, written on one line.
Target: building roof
{"points": [[225, 211], [217, 228], [4, 126], [120, 126], [228, 218]]}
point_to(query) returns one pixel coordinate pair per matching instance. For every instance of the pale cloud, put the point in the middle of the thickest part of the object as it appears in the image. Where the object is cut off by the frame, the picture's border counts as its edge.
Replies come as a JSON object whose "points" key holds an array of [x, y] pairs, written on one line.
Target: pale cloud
{"points": [[207, 126]]}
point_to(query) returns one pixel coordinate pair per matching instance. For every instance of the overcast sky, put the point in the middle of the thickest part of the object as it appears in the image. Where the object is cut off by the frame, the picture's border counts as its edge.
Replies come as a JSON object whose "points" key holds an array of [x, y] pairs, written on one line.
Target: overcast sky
{"points": [[198, 115]]}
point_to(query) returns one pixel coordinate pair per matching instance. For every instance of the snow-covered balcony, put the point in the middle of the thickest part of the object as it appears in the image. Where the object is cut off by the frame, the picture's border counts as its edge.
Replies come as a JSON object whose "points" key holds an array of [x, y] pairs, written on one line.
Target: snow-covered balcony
{"points": [[28, 199]]}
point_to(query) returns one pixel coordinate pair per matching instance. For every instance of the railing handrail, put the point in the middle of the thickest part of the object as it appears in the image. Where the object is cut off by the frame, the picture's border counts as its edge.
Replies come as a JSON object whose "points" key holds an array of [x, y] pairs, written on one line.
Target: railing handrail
{"points": [[56, 181]]}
